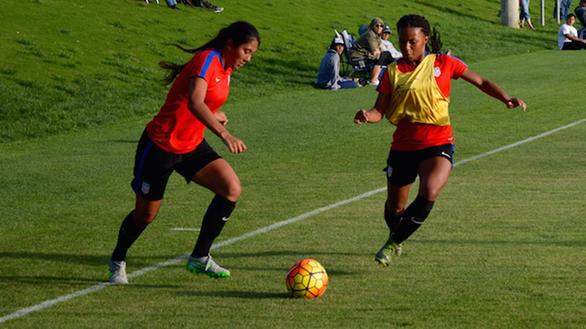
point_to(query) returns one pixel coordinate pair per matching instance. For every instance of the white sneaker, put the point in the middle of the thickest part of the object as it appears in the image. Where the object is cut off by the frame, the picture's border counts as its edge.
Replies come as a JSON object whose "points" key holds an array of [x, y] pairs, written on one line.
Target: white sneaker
{"points": [[117, 272]]}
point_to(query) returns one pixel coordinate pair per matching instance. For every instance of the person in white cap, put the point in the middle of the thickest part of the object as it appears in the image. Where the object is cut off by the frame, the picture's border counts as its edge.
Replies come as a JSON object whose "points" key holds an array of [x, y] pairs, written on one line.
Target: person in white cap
{"points": [[328, 76], [387, 46]]}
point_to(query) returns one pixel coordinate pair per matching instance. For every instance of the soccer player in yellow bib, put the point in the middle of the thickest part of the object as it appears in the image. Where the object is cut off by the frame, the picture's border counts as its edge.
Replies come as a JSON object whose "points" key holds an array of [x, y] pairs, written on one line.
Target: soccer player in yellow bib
{"points": [[414, 95]]}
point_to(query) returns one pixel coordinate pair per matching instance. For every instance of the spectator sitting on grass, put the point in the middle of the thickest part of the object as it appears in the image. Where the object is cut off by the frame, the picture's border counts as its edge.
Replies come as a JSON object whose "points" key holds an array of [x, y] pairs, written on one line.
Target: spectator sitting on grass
{"points": [[568, 35], [368, 47], [387, 46], [328, 76], [203, 4]]}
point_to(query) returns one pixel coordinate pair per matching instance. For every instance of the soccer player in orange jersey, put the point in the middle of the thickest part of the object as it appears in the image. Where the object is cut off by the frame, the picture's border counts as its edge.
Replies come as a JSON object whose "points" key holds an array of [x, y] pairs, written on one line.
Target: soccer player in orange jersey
{"points": [[174, 141], [414, 95]]}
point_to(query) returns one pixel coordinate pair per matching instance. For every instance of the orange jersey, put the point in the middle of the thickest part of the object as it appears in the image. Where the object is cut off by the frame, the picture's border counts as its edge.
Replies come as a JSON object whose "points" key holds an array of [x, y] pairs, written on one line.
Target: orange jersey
{"points": [[175, 128], [409, 135]]}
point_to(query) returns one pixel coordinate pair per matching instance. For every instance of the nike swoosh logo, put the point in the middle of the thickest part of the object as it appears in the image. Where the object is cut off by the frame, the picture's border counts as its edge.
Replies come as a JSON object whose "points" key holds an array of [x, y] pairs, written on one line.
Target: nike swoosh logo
{"points": [[446, 155], [217, 79], [225, 219]]}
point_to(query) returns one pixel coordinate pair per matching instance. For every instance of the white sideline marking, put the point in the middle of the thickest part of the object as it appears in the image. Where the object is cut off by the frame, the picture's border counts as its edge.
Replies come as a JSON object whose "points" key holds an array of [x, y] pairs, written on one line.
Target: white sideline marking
{"points": [[48, 303], [188, 229]]}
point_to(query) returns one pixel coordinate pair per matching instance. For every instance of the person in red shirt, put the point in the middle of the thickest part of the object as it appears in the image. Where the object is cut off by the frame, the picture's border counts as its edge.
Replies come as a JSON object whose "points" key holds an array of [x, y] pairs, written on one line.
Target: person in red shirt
{"points": [[174, 141], [414, 95]]}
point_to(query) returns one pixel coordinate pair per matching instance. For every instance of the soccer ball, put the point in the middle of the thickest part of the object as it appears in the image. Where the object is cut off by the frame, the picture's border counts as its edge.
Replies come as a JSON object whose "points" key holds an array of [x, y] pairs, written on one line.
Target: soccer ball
{"points": [[307, 279]]}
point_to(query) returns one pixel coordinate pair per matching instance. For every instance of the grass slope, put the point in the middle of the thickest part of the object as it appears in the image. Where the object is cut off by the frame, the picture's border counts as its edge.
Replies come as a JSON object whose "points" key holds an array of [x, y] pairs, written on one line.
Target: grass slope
{"points": [[71, 65], [502, 249]]}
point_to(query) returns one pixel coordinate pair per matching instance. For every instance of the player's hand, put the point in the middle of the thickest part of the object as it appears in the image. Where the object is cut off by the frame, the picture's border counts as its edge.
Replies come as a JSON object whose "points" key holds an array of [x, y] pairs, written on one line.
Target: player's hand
{"points": [[516, 102], [221, 117], [234, 144], [361, 117]]}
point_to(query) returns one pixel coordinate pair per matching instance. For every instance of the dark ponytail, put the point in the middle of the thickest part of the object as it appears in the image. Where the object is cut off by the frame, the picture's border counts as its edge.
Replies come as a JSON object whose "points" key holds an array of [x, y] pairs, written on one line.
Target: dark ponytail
{"points": [[435, 43], [239, 32]]}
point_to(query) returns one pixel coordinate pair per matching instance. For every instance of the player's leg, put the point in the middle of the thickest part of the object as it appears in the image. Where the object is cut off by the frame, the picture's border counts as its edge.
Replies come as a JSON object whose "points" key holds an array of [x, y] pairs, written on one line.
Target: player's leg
{"points": [[219, 177], [433, 176], [397, 197], [394, 207], [131, 228], [152, 169], [401, 173]]}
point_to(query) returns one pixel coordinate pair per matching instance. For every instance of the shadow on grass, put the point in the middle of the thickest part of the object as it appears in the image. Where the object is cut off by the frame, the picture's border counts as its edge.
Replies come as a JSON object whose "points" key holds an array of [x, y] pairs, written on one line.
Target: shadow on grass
{"points": [[137, 261], [45, 279], [537, 37], [462, 13], [77, 281], [278, 253], [237, 294], [122, 141], [557, 243]]}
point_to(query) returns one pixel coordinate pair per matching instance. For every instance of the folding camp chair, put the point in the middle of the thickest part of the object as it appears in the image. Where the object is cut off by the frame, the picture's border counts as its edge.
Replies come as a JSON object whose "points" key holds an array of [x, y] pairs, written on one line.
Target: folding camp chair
{"points": [[352, 67]]}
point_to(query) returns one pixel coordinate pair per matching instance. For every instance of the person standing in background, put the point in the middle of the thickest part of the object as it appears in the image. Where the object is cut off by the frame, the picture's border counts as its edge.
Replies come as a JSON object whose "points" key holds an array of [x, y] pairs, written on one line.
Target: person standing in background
{"points": [[524, 16], [565, 8]]}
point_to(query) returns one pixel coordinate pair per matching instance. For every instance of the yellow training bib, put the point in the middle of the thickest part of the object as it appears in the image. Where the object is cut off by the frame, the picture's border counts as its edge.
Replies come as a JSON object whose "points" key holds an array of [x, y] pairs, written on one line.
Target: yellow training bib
{"points": [[416, 95]]}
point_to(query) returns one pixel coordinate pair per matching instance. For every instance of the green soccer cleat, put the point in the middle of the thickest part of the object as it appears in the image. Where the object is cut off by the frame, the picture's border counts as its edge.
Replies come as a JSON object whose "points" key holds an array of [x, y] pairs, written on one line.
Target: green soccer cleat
{"points": [[117, 272], [383, 256], [208, 266]]}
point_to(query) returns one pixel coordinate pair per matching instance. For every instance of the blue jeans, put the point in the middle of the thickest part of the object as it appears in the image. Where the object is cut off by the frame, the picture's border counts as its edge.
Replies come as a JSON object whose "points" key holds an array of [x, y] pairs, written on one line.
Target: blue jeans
{"points": [[524, 15], [345, 84], [564, 9]]}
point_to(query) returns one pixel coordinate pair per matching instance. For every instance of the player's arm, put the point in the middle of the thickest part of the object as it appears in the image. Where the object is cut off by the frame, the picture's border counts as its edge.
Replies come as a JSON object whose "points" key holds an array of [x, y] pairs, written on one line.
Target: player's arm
{"points": [[197, 92], [221, 117], [376, 113], [492, 89]]}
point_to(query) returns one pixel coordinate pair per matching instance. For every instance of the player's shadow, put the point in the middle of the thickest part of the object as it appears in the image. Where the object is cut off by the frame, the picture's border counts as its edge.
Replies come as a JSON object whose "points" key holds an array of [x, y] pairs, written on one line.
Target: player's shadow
{"points": [[92, 260], [237, 294], [278, 253], [44, 279]]}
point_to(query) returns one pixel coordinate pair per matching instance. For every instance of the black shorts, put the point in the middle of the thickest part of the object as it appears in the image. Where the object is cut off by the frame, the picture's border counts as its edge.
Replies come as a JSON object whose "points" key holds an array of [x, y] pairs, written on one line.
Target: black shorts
{"points": [[402, 166], [153, 166]]}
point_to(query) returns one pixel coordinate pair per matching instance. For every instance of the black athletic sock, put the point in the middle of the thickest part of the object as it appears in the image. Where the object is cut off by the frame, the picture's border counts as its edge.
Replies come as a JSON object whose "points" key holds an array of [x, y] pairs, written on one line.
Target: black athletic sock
{"points": [[128, 233], [393, 220], [413, 218], [213, 222]]}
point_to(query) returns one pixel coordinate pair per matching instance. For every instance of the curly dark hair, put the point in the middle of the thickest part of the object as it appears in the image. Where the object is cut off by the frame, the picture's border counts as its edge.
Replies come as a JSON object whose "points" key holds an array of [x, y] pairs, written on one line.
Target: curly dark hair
{"points": [[435, 42]]}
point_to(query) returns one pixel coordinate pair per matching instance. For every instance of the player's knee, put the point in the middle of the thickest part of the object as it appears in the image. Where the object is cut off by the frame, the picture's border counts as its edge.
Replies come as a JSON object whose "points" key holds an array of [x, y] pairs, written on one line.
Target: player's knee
{"points": [[392, 212], [430, 194], [144, 217], [233, 190]]}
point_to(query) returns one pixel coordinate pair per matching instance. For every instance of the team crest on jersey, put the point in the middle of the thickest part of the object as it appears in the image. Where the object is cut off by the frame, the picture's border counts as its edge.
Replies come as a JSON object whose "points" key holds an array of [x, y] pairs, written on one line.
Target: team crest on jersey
{"points": [[437, 72], [389, 171]]}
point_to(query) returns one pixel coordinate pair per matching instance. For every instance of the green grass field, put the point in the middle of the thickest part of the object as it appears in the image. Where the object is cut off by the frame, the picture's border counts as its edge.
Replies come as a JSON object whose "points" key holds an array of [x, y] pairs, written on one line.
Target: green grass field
{"points": [[68, 66], [502, 249]]}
